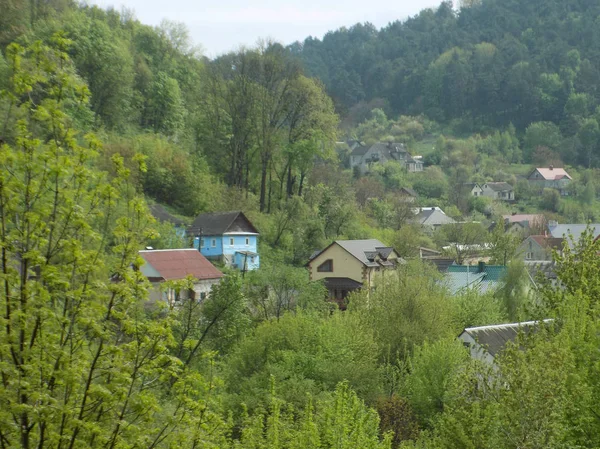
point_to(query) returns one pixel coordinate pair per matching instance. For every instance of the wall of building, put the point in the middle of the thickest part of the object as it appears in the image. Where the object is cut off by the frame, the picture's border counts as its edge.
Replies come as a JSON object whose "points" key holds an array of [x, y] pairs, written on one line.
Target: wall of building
{"points": [[344, 265], [207, 249], [201, 291], [251, 262]]}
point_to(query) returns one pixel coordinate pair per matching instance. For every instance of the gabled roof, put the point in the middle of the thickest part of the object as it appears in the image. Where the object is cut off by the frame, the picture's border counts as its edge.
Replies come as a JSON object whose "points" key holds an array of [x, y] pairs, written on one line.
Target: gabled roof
{"points": [[551, 173], [366, 250], [359, 149], [440, 263], [499, 186], [433, 217], [409, 191], [220, 223], [494, 338], [159, 212], [547, 242], [173, 264]]}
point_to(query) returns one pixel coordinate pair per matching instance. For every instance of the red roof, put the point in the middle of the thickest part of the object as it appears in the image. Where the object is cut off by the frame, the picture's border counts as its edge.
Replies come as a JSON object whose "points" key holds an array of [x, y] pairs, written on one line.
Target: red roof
{"points": [[171, 264], [545, 241], [552, 173]]}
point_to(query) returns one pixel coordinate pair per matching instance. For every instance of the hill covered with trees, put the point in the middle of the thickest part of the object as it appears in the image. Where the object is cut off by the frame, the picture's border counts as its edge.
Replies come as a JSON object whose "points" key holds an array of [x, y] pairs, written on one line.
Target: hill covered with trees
{"points": [[489, 64]]}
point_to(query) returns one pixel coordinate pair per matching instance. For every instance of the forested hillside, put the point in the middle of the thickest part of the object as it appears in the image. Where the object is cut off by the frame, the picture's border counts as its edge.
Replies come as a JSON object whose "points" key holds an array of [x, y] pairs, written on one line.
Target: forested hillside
{"points": [[484, 65]]}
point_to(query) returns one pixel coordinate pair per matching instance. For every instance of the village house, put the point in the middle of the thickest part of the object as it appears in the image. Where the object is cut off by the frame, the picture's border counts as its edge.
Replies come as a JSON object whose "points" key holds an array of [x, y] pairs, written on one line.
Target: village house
{"points": [[175, 264], [524, 224], [485, 343], [551, 178], [227, 237], [474, 188], [539, 247], [380, 153], [161, 215], [407, 195], [502, 191], [348, 265], [431, 218]]}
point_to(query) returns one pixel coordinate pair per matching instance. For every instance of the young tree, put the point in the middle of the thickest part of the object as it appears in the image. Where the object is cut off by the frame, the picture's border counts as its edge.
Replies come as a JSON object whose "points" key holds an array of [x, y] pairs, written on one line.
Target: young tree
{"points": [[81, 362]]}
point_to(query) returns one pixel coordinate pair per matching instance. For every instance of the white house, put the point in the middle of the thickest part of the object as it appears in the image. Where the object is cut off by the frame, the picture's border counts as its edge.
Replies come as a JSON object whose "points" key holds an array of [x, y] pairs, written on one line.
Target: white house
{"points": [[175, 264]]}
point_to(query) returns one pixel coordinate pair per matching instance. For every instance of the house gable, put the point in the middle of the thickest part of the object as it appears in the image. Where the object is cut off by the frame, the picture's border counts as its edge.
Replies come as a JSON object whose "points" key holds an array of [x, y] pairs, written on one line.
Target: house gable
{"points": [[344, 264]]}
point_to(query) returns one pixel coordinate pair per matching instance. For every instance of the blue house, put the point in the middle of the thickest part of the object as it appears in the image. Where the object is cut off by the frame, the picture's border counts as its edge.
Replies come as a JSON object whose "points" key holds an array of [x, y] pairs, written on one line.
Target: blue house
{"points": [[228, 237]]}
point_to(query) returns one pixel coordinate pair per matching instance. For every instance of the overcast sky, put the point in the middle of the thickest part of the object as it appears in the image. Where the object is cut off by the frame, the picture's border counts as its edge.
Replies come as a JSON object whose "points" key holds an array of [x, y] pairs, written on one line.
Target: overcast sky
{"points": [[220, 26]]}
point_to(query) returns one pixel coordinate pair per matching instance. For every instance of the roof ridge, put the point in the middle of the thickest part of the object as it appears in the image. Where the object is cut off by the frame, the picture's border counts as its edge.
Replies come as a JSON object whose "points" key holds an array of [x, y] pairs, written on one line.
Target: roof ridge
{"points": [[497, 326]]}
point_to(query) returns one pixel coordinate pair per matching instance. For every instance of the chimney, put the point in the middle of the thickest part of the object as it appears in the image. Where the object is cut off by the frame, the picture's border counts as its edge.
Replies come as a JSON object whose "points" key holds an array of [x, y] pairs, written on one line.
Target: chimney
{"points": [[551, 167], [514, 213], [390, 143], [481, 266]]}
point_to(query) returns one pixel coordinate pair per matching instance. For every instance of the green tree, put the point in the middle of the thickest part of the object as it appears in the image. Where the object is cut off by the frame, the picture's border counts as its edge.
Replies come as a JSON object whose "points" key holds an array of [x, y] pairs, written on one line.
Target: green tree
{"points": [[80, 355]]}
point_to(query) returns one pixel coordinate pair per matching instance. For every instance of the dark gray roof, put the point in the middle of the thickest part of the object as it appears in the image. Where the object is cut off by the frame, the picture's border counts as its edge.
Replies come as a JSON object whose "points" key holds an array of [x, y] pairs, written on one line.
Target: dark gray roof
{"points": [[494, 338], [391, 150], [161, 214], [359, 149], [499, 186], [222, 222], [410, 191], [440, 263]]}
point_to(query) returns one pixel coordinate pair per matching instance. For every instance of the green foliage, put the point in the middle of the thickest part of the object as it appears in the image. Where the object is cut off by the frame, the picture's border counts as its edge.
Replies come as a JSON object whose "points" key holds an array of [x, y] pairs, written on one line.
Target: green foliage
{"points": [[83, 361], [306, 353], [433, 369], [407, 307], [342, 422]]}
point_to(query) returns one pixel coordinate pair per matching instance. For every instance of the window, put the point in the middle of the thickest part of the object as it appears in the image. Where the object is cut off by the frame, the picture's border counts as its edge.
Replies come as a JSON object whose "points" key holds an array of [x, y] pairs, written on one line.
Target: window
{"points": [[214, 243], [529, 256], [202, 295], [231, 241], [326, 267], [247, 241], [201, 243]]}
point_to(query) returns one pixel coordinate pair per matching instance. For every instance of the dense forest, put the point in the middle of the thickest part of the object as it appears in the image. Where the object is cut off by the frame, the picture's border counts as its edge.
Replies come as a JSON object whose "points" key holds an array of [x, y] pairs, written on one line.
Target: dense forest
{"points": [[102, 116]]}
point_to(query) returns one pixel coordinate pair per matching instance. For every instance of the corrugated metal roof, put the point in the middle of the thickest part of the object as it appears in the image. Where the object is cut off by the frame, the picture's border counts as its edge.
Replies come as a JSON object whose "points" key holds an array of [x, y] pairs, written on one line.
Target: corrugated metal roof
{"points": [[494, 338], [173, 264]]}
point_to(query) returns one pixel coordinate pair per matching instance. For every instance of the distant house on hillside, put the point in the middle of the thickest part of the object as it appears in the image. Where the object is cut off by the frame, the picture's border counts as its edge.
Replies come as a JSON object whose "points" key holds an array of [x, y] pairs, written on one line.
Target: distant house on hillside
{"points": [[485, 343], [432, 218], [348, 265], [525, 223], [502, 191], [175, 264], [552, 178], [408, 195], [380, 153], [161, 214], [539, 247], [474, 188], [228, 237]]}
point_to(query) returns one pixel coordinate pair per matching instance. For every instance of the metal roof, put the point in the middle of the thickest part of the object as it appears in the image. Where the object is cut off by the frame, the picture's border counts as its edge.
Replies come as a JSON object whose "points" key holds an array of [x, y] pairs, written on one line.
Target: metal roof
{"points": [[494, 338], [172, 264]]}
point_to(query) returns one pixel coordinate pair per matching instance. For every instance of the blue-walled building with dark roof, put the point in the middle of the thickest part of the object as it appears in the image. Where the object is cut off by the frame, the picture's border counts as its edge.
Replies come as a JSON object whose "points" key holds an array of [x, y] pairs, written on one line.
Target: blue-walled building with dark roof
{"points": [[228, 237]]}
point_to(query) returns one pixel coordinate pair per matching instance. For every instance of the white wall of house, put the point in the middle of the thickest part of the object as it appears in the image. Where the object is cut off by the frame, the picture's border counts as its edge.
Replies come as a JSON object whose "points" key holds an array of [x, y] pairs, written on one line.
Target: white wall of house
{"points": [[201, 291], [477, 351]]}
